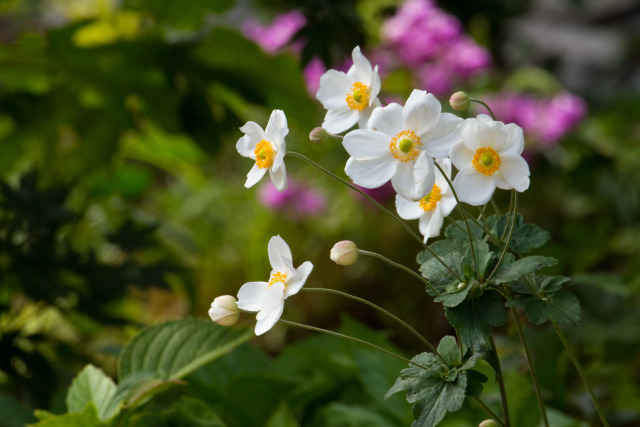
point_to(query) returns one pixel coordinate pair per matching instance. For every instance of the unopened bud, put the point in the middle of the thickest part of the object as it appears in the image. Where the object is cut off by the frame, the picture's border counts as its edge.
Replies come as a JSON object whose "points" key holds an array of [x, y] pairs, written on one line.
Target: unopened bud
{"points": [[319, 135], [459, 101], [344, 253], [488, 423], [462, 286], [224, 310]]}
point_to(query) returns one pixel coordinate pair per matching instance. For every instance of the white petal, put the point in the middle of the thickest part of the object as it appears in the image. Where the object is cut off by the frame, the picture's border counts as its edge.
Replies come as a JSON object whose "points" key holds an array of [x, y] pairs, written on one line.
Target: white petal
{"points": [[338, 120], [516, 139], [474, 188], [438, 140], [445, 165], [478, 134], [365, 144], [514, 170], [334, 87], [250, 295], [446, 204], [424, 174], [272, 300], [265, 324], [404, 182], [298, 279], [460, 155], [387, 119], [432, 228], [371, 173], [276, 128], [253, 135], [421, 112], [279, 178], [408, 209], [280, 255], [375, 88], [255, 174], [363, 71], [281, 151]]}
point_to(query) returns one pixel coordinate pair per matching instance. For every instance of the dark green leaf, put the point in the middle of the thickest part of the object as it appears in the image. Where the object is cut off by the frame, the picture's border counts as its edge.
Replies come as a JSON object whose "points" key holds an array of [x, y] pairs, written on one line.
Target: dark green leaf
{"points": [[438, 275], [88, 418], [453, 296], [448, 349], [512, 271], [563, 307], [458, 231], [475, 317], [483, 256], [475, 380], [198, 412], [525, 238], [440, 248]]}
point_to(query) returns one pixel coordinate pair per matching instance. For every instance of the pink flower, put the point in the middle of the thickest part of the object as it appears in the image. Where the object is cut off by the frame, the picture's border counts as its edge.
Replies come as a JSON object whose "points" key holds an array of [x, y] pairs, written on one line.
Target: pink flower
{"points": [[295, 203], [278, 34]]}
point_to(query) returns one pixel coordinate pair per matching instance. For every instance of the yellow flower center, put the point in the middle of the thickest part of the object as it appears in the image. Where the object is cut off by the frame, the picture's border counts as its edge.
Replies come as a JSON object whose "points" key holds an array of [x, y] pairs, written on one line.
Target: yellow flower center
{"points": [[486, 160], [358, 96], [278, 277], [430, 201], [405, 146], [264, 154]]}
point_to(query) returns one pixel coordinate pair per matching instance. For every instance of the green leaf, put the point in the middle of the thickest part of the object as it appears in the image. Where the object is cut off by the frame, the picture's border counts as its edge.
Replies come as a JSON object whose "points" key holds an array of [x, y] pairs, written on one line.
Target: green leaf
{"points": [[440, 248], [483, 256], [198, 412], [448, 349], [542, 285], [453, 296], [92, 385], [475, 317], [563, 307], [176, 348], [458, 231], [526, 237], [512, 271], [475, 381], [87, 418], [282, 417], [438, 275]]}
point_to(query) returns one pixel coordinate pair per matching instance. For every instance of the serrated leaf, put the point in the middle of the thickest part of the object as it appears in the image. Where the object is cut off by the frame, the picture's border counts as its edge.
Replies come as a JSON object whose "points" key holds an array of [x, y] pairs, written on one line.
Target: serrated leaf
{"points": [[512, 271], [440, 248], [458, 231], [475, 317], [92, 385], [475, 381], [483, 256], [176, 348], [438, 275], [448, 349], [525, 238], [452, 297], [563, 307]]}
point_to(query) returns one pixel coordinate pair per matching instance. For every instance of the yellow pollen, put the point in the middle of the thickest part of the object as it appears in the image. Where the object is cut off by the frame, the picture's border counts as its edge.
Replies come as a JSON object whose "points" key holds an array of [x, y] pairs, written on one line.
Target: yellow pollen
{"points": [[486, 160], [430, 201], [358, 96], [264, 154], [405, 146], [278, 277]]}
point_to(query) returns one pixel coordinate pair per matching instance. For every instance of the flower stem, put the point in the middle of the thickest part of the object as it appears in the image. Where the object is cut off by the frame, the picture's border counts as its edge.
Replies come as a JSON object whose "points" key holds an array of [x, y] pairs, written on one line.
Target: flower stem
{"points": [[532, 371], [488, 410], [381, 310], [583, 375], [376, 204], [500, 379], [514, 212], [401, 267], [354, 339], [485, 106]]}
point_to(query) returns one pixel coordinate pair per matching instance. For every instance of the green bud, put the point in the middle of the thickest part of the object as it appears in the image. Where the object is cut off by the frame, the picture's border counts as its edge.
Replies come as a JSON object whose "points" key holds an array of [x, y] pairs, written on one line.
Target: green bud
{"points": [[319, 135], [488, 423], [344, 253], [459, 101]]}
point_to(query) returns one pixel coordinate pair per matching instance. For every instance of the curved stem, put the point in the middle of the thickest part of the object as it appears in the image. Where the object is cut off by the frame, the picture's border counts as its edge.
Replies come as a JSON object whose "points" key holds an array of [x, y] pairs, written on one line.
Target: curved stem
{"points": [[383, 311], [503, 391], [532, 371], [583, 375], [354, 339], [488, 410], [485, 106], [513, 224], [401, 267]]}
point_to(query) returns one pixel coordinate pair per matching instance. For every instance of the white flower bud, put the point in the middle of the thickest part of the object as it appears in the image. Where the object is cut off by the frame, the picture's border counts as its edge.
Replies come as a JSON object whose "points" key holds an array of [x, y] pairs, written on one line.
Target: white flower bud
{"points": [[459, 101], [224, 310], [344, 253], [319, 135], [488, 423]]}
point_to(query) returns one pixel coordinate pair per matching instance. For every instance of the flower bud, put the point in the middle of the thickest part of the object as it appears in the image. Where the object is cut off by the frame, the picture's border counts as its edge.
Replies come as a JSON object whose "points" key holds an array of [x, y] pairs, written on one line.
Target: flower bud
{"points": [[488, 423], [224, 310], [344, 253], [319, 135], [459, 101]]}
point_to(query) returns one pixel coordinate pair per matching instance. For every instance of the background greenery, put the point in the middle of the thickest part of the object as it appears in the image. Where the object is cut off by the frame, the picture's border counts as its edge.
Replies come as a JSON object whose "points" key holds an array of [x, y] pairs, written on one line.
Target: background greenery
{"points": [[122, 205]]}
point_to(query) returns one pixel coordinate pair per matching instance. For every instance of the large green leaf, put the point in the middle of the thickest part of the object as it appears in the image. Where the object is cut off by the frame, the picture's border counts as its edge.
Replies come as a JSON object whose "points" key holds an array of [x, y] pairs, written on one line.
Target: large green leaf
{"points": [[88, 418], [475, 317], [512, 271], [92, 385], [176, 348]]}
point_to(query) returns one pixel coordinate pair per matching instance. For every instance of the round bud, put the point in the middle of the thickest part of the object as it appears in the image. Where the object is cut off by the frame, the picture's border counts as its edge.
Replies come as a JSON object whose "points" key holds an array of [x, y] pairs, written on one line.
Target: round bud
{"points": [[459, 101], [224, 310], [344, 253], [488, 423], [462, 286], [319, 135]]}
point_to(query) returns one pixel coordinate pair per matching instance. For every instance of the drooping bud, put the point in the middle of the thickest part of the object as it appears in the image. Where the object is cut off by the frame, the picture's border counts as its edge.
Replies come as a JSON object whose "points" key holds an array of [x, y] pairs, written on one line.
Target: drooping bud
{"points": [[224, 310], [319, 135], [459, 101], [344, 253], [488, 423]]}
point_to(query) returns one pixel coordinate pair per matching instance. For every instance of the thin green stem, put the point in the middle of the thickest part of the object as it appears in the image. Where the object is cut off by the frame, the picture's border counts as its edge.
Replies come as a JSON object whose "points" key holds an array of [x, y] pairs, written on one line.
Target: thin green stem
{"points": [[513, 224], [401, 267], [489, 411], [583, 375], [495, 207], [354, 339], [430, 346], [500, 379], [485, 106], [532, 371]]}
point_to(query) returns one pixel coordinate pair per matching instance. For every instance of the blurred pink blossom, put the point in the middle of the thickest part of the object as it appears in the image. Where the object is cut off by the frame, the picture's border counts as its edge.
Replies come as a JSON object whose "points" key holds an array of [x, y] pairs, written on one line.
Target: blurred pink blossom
{"points": [[297, 202], [275, 36], [316, 68]]}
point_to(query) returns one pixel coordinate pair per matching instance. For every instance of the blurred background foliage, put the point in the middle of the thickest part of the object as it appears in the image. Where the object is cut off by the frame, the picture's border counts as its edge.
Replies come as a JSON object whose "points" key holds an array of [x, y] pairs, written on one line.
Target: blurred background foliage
{"points": [[122, 199]]}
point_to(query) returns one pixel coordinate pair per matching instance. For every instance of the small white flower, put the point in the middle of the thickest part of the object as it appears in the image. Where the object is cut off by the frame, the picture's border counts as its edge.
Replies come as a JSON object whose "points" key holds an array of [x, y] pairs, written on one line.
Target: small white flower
{"points": [[267, 148], [224, 310], [267, 298], [488, 156], [432, 208], [400, 145], [349, 98]]}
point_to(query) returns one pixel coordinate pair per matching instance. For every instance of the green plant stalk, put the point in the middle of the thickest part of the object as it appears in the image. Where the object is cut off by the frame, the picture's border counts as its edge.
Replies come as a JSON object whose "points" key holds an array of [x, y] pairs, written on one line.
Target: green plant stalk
{"points": [[488, 410], [503, 391], [430, 346], [354, 339], [376, 204], [581, 372], [513, 226], [532, 371], [401, 267], [485, 106]]}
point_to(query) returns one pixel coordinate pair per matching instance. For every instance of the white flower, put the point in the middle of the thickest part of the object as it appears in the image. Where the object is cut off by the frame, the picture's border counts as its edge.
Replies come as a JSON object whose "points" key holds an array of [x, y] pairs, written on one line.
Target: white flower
{"points": [[349, 98], [488, 156], [267, 148], [432, 208], [224, 310], [400, 144], [267, 298]]}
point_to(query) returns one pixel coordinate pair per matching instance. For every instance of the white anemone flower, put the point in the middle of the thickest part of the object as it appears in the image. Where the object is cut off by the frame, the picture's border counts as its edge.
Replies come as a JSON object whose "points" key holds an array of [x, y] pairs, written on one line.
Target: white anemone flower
{"points": [[267, 298], [267, 148], [349, 98], [400, 145], [433, 208], [488, 156]]}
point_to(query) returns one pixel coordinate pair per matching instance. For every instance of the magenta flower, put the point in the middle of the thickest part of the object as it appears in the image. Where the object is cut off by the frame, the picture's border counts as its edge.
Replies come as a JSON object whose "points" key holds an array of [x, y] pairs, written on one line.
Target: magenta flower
{"points": [[275, 36], [296, 203]]}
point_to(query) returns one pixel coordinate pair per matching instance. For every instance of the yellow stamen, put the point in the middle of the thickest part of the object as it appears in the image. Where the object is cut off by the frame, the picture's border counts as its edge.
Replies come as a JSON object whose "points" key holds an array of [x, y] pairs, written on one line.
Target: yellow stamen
{"points": [[486, 160], [278, 277], [358, 96], [264, 154], [405, 146], [430, 201]]}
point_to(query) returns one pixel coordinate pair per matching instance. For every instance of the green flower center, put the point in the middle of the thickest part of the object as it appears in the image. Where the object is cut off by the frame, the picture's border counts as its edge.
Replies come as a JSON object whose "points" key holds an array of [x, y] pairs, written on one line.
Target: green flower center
{"points": [[405, 145]]}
